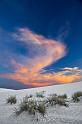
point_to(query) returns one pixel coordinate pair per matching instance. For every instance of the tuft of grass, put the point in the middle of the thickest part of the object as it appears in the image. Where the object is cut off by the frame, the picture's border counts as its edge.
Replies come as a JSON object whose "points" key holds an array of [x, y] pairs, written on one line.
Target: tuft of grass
{"points": [[32, 107], [78, 94], [29, 106], [40, 94], [75, 96], [26, 98], [42, 109], [62, 102], [64, 96], [12, 100], [54, 100]]}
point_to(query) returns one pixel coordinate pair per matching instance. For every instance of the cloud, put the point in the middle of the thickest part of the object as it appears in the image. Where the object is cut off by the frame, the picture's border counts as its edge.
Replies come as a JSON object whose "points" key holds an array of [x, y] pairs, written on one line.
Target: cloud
{"points": [[27, 77], [28, 68], [43, 51], [71, 69]]}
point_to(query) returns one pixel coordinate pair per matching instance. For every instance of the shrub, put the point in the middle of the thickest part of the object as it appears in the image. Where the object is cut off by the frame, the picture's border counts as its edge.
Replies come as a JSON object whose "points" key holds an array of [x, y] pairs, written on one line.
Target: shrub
{"points": [[26, 98], [42, 109], [40, 94], [62, 102], [75, 99], [75, 96], [63, 96], [29, 106], [32, 107], [12, 100], [78, 94], [54, 99]]}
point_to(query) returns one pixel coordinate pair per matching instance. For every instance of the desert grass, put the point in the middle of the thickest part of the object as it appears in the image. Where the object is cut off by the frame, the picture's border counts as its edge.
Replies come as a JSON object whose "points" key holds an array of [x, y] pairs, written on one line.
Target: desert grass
{"points": [[57, 100], [32, 107], [40, 94], [11, 100], [76, 96]]}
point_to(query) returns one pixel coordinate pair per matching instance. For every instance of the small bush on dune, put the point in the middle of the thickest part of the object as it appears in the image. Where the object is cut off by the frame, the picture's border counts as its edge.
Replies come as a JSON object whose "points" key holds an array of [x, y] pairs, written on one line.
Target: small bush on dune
{"points": [[29, 106], [63, 96], [26, 98], [78, 94], [75, 96], [12, 100], [23, 106], [62, 102], [32, 107], [41, 109], [54, 99], [40, 94], [75, 99]]}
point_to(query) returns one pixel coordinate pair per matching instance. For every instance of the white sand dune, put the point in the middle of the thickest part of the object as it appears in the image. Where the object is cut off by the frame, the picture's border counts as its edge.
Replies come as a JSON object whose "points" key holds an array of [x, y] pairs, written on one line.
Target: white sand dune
{"points": [[54, 115]]}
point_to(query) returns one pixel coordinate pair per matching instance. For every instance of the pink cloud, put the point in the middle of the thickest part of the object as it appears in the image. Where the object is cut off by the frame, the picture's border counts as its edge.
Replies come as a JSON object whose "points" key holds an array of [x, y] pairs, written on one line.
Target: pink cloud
{"points": [[45, 52]]}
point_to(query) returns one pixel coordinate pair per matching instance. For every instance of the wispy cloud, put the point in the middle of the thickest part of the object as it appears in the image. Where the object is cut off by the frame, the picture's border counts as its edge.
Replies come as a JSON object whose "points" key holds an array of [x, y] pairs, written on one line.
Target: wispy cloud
{"points": [[41, 52]]}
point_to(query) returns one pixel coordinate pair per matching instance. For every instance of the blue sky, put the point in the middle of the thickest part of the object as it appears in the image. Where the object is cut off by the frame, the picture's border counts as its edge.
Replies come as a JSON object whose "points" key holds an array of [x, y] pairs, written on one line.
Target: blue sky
{"points": [[58, 20]]}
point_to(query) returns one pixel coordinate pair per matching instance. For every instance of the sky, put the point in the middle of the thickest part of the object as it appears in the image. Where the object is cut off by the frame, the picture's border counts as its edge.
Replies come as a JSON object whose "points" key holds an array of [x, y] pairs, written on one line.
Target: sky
{"points": [[40, 43]]}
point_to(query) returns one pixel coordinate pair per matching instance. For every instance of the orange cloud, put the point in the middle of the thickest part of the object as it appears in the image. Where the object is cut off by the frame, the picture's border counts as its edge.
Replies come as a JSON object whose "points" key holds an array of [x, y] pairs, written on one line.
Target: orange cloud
{"points": [[67, 78], [49, 51], [37, 79]]}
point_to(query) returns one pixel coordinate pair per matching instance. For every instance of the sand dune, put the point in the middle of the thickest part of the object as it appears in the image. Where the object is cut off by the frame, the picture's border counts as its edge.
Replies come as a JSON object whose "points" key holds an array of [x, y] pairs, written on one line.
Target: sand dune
{"points": [[55, 115]]}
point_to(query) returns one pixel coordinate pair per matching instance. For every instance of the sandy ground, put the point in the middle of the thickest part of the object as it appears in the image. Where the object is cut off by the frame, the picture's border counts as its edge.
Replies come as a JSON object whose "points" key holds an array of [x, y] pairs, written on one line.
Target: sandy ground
{"points": [[54, 115]]}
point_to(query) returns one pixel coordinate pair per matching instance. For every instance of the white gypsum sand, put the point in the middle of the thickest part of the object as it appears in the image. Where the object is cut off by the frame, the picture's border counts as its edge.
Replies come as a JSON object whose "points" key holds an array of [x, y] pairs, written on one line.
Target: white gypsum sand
{"points": [[54, 115]]}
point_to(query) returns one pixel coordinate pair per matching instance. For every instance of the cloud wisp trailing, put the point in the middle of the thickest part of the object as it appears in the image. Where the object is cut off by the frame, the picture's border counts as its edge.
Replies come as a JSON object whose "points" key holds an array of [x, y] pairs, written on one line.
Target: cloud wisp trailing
{"points": [[40, 53], [43, 51]]}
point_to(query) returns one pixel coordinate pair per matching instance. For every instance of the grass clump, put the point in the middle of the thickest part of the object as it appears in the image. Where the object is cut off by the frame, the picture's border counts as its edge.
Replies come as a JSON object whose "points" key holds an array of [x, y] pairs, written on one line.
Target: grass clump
{"points": [[40, 94], [32, 107], [62, 102], [76, 96], [42, 109], [29, 106], [12, 100], [64, 96], [54, 100], [27, 97]]}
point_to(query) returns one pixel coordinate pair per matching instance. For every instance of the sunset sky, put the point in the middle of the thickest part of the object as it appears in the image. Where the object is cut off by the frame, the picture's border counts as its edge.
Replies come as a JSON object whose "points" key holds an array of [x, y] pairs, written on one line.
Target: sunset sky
{"points": [[40, 42]]}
